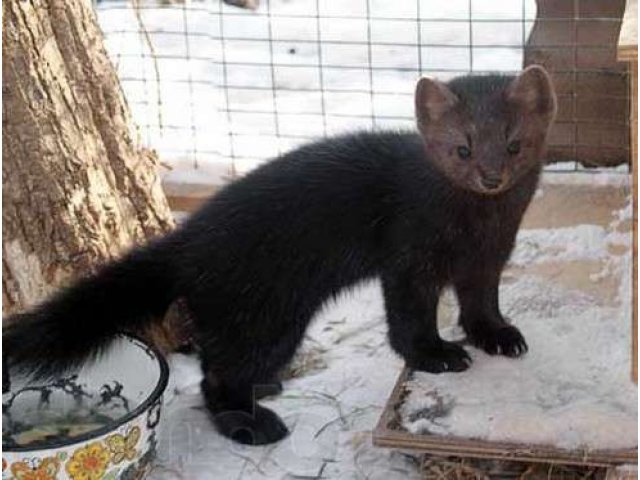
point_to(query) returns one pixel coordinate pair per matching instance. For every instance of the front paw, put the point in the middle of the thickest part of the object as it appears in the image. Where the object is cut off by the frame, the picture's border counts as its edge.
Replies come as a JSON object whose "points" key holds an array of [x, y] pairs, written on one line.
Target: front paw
{"points": [[505, 339], [442, 357]]}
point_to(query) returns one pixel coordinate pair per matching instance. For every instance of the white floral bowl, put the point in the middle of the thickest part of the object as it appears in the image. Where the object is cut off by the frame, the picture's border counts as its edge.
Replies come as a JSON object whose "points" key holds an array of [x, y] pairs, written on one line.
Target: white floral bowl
{"points": [[98, 423]]}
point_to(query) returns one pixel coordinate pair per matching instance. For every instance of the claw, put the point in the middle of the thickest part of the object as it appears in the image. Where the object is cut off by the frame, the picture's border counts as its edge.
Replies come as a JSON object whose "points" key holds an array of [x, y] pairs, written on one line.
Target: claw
{"points": [[506, 340], [446, 357]]}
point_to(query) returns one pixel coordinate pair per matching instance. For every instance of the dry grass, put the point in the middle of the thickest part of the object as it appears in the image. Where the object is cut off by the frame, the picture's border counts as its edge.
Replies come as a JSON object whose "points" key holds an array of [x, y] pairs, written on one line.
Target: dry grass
{"points": [[308, 359], [457, 468]]}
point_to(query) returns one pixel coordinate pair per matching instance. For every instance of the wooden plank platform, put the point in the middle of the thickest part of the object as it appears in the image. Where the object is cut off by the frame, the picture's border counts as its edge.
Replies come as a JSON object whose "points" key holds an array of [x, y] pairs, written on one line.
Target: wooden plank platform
{"points": [[389, 433]]}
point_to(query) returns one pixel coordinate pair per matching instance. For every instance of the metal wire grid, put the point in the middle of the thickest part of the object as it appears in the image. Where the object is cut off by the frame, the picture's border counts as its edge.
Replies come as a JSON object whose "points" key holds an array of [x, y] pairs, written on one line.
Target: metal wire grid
{"points": [[270, 69]]}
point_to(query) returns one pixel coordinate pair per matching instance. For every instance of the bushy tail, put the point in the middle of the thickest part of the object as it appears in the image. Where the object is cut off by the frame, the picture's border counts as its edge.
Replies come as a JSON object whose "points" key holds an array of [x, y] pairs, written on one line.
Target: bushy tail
{"points": [[79, 322]]}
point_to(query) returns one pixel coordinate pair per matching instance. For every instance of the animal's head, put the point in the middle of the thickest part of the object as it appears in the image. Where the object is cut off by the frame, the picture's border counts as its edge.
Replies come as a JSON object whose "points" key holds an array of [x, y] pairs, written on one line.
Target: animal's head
{"points": [[485, 132]]}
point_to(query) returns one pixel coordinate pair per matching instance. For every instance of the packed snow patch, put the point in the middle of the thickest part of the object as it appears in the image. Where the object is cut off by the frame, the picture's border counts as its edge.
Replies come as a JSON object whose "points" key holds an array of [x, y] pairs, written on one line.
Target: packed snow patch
{"points": [[572, 390], [570, 243]]}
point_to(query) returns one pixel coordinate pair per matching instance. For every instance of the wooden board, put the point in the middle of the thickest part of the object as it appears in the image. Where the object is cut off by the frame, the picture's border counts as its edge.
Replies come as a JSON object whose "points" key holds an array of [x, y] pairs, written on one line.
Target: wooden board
{"points": [[389, 433], [628, 52], [577, 42], [187, 197], [633, 66]]}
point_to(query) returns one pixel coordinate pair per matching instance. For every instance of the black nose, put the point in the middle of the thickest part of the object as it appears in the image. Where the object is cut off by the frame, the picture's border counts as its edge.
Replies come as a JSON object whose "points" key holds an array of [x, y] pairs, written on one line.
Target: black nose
{"points": [[491, 183]]}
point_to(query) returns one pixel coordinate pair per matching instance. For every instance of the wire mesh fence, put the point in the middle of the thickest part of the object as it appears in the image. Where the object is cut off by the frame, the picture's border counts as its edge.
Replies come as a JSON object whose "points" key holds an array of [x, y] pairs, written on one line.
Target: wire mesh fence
{"points": [[217, 90]]}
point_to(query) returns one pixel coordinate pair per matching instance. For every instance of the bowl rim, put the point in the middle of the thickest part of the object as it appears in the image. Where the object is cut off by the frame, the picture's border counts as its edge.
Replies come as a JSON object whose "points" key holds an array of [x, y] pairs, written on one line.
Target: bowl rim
{"points": [[151, 399]]}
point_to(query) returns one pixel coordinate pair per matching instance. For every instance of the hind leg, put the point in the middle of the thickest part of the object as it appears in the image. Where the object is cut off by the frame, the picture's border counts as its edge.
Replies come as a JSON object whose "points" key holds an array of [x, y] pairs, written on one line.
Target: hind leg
{"points": [[271, 388], [237, 415], [240, 372]]}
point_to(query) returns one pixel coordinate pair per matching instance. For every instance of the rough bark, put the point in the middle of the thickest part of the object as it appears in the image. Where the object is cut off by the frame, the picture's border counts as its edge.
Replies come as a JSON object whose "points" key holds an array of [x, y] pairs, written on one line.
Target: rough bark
{"points": [[77, 189]]}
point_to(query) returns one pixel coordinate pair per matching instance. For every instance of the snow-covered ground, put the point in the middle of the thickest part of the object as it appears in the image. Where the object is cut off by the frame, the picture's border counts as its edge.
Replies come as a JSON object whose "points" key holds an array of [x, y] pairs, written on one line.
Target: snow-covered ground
{"points": [[274, 99]]}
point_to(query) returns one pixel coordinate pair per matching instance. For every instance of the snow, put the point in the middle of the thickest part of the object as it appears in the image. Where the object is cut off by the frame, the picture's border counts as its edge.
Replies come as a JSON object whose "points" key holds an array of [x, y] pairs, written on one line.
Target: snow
{"points": [[202, 142], [564, 173], [566, 244], [573, 389]]}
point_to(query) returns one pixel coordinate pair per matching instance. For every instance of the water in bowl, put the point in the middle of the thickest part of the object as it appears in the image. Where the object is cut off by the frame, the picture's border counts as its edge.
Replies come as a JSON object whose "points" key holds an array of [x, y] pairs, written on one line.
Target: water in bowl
{"points": [[50, 414]]}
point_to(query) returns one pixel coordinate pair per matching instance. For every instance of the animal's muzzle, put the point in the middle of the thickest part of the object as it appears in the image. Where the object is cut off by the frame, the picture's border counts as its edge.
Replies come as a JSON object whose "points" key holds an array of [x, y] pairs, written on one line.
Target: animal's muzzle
{"points": [[491, 182]]}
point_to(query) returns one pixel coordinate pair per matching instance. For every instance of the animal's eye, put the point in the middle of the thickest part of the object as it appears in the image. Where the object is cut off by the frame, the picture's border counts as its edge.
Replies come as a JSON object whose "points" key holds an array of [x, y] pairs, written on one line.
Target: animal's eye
{"points": [[514, 147], [464, 152]]}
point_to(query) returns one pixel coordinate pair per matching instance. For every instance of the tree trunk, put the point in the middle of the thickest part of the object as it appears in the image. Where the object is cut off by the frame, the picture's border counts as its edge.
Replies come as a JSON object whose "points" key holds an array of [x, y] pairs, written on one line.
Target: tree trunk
{"points": [[77, 189]]}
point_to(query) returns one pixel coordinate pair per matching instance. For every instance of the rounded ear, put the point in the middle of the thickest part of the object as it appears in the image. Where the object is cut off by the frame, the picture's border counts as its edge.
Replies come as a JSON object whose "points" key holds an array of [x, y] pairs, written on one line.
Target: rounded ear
{"points": [[533, 92], [432, 100]]}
